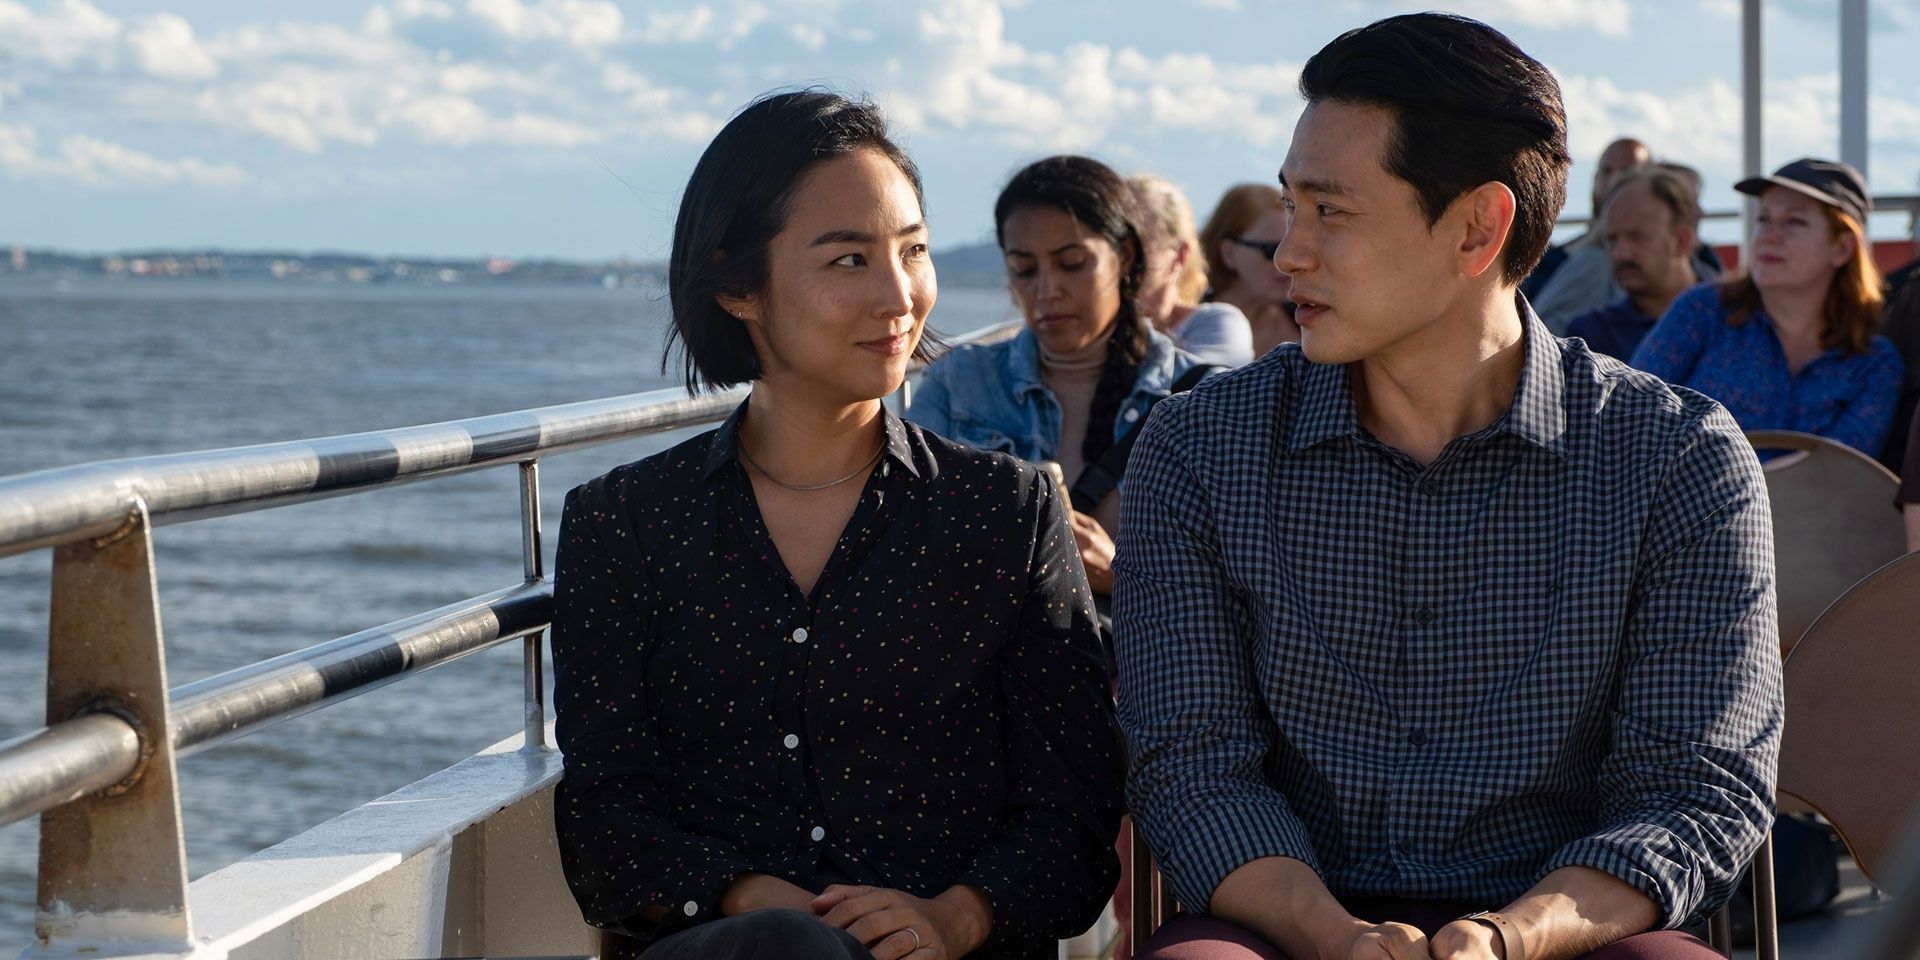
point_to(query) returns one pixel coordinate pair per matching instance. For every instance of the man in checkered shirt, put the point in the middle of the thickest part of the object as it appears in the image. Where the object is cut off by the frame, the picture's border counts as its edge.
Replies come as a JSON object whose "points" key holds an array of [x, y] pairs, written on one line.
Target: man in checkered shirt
{"points": [[1435, 613]]}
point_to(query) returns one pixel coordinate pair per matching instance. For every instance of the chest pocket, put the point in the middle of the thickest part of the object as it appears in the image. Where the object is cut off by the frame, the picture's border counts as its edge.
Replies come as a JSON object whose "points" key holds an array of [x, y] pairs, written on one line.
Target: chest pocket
{"points": [[986, 437]]}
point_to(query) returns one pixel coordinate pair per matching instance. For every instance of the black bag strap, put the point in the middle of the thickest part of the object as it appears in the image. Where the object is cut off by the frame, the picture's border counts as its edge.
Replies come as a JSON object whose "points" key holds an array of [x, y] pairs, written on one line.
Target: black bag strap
{"points": [[1099, 479]]}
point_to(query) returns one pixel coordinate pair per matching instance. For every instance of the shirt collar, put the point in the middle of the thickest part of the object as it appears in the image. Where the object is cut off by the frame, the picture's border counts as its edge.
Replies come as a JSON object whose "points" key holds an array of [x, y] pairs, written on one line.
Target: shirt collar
{"points": [[1324, 408], [1539, 411], [724, 448], [1023, 363]]}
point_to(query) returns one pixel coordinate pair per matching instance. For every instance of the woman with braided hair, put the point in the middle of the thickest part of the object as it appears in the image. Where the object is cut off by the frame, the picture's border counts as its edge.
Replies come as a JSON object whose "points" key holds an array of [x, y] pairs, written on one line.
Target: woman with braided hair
{"points": [[1079, 379]]}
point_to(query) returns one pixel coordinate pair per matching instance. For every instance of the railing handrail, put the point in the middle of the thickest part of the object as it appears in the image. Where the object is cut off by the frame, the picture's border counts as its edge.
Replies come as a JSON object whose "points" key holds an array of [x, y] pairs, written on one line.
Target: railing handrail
{"points": [[55, 765], [66, 504], [1882, 203]]}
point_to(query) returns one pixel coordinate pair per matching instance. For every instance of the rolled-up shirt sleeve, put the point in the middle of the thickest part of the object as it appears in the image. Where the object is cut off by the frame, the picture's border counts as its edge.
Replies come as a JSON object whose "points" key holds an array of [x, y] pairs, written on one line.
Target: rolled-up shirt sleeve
{"points": [[1688, 785], [1197, 728], [1053, 866], [630, 867]]}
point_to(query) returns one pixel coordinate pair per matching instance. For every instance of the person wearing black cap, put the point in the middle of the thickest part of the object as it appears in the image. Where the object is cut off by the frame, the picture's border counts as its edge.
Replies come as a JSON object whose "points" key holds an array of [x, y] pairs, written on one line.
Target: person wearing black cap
{"points": [[1790, 342]]}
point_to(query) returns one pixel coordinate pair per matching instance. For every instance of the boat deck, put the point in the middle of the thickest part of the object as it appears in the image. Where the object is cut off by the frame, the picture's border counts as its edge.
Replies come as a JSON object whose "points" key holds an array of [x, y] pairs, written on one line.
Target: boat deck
{"points": [[1834, 933]]}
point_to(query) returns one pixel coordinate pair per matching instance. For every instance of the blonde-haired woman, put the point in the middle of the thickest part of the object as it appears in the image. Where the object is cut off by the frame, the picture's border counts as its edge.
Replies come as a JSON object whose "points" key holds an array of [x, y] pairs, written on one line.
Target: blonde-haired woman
{"points": [[1176, 279], [1240, 239], [1790, 343]]}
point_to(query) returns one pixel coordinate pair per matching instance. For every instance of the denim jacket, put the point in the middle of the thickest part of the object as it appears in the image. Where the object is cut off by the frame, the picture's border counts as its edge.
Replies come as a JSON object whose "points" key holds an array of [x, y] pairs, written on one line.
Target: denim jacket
{"points": [[992, 396]]}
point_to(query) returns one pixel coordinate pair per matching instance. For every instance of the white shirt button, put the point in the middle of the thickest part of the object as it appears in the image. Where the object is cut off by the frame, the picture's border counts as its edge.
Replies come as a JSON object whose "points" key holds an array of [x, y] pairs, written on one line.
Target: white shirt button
{"points": [[1131, 415], [819, 833], [690, 909], [799, 635], [791, 741]]}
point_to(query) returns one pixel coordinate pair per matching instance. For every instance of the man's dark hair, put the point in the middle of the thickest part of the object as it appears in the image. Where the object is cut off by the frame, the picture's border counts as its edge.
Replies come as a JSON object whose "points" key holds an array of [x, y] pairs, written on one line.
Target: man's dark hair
{"points": [[736, 202], [1469, 108]]}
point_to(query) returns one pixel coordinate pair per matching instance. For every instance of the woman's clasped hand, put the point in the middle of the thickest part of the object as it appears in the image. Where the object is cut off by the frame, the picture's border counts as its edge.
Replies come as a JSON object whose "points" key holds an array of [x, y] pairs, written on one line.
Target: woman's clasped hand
{"points": [[895, 925]]}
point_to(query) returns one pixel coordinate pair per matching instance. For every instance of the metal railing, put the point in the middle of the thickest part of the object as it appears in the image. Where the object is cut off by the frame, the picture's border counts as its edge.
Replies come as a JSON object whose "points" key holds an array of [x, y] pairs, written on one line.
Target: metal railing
{"points": [[1882, 203], [102, 771]]}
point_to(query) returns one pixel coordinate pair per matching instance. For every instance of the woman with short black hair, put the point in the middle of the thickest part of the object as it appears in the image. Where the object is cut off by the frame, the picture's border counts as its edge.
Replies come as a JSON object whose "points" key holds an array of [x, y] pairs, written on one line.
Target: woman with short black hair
{"points": [[827, 684]]}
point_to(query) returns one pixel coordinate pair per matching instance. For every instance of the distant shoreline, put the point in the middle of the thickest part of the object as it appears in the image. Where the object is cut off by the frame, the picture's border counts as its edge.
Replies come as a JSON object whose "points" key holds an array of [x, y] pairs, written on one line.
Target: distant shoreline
{"points": [[975, 265]]}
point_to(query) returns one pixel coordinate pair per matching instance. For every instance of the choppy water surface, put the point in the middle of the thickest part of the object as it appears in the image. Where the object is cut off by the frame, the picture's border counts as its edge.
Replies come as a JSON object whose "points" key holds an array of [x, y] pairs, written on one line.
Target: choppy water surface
{"points": [[92, 370]]}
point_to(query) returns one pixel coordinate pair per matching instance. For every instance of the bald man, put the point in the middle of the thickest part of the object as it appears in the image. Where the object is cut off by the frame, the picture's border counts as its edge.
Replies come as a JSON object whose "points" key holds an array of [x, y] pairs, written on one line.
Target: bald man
{"points": [[1619, 158]]}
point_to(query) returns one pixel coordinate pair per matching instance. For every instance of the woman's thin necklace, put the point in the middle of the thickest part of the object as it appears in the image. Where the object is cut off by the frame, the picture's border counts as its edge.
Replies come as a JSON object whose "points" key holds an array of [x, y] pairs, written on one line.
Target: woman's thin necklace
{"points": [[806, 488]]}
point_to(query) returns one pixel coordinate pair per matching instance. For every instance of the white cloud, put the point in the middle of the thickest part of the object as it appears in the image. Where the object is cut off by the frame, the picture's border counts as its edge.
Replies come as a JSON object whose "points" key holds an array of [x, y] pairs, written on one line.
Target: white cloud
{"points": [[455, 121], [18, 149], [663, 108], [1701, 126], [1895, 119], [69, 33], [691, 25], [966, 74], [582, 23], [299, 107], [91, 161], [163, 45], [811, 37], [1611, 17], [561, 74], [540, 82]]}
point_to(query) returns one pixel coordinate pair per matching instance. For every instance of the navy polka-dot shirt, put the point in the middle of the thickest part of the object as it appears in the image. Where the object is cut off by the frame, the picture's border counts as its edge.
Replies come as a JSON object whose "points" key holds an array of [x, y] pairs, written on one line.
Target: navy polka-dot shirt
{"points": [[937, 712]]}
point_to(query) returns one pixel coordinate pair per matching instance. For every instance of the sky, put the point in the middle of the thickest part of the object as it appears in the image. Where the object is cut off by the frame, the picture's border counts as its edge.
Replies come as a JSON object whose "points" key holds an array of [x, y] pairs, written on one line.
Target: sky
{"points": [[565, 128]]}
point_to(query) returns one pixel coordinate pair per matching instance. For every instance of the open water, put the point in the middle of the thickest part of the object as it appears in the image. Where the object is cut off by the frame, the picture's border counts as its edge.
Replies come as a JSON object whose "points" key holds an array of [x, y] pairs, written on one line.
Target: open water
{"points": [[95, 369]]}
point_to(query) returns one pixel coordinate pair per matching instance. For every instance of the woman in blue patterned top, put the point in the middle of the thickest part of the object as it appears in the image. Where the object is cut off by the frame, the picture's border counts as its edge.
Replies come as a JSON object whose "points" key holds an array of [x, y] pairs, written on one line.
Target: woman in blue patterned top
{"points": [[1790, 344]]}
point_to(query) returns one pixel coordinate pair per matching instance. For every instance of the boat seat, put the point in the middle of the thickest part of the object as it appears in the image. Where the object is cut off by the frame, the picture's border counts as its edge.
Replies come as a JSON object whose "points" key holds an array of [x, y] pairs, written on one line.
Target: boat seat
{"points": [[1833, 522], [1849, 749]]}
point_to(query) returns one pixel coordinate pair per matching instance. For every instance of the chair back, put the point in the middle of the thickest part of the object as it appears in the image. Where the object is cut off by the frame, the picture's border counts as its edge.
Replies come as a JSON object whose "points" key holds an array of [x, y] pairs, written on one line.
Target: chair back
{"points": [[1851, 746], [1833, 523]]}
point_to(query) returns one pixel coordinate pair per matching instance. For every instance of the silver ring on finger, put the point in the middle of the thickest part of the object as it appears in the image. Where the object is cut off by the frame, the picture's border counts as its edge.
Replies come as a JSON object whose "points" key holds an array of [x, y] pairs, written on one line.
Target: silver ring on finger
{"points": [[916, 938]]}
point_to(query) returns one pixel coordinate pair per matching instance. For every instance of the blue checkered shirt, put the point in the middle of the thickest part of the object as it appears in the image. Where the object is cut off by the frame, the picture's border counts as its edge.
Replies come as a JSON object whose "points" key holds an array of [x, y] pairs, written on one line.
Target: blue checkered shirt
{"points": [[1555, 645]]}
